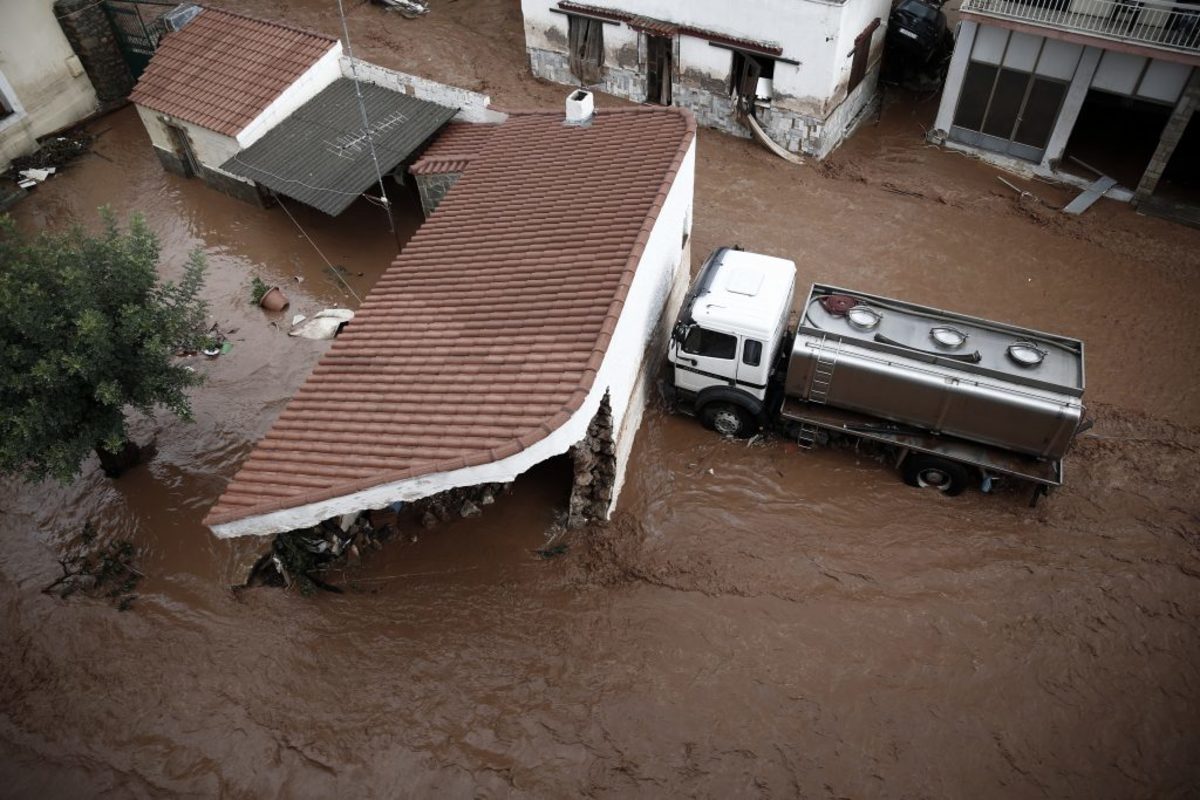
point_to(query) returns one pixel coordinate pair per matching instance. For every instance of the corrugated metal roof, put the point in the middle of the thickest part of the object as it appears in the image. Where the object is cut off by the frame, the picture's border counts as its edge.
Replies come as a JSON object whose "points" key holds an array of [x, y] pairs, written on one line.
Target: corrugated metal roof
{"points": [[320, 156]]}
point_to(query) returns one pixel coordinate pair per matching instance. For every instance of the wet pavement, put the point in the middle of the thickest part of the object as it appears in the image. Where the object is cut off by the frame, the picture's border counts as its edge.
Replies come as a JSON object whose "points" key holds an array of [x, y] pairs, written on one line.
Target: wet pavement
{"points": [[756, 620]]}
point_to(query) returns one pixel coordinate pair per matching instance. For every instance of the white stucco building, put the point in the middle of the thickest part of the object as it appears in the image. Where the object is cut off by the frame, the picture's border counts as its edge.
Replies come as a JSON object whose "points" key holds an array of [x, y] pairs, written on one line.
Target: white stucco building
{"points": [[808, 69], [1071, 88], [43, 86]]}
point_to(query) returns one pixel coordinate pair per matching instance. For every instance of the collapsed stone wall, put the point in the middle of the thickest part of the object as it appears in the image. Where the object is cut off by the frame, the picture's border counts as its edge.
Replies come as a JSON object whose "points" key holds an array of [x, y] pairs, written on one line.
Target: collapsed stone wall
{"points": [[595, 462], [91, 36]]}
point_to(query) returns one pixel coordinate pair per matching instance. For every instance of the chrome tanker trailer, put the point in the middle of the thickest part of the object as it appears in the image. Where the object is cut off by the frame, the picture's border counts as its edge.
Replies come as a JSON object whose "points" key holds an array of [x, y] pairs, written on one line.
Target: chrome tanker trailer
{"points": [[954, 396]]}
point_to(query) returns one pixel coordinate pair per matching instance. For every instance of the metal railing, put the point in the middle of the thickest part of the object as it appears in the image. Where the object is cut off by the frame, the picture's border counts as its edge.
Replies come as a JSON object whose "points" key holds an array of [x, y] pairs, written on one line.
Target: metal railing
{"points": [[1155, 23]]}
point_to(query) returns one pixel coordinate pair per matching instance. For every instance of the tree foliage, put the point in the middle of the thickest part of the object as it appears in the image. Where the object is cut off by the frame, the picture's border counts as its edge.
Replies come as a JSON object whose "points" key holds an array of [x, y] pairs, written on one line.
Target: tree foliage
{"points": [[88, 331]]}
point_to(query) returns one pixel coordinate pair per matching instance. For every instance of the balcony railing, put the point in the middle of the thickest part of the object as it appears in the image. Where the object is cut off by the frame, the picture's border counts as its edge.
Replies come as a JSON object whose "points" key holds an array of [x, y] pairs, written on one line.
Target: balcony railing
{"points": [[1155, 23]]}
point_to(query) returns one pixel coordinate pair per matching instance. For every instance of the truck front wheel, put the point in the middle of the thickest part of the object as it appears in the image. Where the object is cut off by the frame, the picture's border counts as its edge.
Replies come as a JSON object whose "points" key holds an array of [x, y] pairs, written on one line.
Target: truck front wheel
{"points": [[727, 419], [946, 476]]}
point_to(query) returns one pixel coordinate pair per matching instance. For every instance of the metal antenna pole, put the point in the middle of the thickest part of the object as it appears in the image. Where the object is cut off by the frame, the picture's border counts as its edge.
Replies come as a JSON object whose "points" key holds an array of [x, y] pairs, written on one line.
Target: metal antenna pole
{"points": [[362, 108]]}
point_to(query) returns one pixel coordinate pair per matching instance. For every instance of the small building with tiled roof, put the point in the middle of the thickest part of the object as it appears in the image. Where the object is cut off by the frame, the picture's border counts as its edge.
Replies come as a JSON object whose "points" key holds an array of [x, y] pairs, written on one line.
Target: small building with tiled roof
{"points": [[220, 83], [522, 321]]}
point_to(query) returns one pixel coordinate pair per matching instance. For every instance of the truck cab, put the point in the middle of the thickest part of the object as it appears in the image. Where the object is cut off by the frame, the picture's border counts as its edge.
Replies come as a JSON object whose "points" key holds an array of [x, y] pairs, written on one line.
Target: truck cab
{"points": [[726, 342]]}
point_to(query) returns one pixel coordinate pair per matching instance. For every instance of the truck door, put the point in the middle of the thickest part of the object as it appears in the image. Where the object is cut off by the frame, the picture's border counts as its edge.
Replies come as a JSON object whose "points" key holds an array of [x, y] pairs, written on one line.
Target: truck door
{"points": [[752, 367], [705, 358]]}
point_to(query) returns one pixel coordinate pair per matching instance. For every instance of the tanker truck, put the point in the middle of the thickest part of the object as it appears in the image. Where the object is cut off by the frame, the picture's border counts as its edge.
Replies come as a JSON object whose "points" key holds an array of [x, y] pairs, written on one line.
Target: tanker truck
{"points": [[955, 400]]}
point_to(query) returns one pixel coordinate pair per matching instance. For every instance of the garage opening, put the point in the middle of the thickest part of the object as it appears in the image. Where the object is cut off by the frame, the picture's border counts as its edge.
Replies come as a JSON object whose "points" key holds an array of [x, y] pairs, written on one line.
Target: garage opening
{"points": [[1116, 135], [1180, 181]]}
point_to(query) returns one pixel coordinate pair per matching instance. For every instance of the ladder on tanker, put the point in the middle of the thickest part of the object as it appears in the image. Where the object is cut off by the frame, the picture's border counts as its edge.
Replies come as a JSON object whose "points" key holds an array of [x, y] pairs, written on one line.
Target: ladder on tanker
{"points": [[818, 387], [822, 374]]}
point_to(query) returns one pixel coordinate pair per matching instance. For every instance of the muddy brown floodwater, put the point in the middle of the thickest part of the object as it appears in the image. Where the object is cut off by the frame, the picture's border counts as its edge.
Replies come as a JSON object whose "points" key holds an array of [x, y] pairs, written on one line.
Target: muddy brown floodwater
{"points": [[755, 621]]}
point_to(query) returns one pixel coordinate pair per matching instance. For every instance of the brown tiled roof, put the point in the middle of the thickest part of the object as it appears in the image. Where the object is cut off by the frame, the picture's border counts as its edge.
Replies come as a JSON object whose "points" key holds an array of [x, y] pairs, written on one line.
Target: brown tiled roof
{"points": [[223, 69], [486, 332], [454, 148]]}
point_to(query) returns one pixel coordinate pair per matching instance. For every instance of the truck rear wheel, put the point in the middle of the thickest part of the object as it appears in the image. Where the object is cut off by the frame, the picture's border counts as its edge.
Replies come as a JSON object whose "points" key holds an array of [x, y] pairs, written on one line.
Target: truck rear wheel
{"points": [[727, 419], [931, 472]]}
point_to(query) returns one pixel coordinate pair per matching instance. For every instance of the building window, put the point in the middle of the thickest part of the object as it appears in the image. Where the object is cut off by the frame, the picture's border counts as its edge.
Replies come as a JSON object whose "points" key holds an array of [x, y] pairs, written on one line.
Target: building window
{"points": [[745, 70], [585, 37], [752, 353], [701, 342]]}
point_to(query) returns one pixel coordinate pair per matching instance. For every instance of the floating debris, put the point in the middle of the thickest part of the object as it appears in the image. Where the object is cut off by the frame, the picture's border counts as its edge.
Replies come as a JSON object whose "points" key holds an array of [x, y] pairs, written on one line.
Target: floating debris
{"points": [[99, 571], [323, 325]]}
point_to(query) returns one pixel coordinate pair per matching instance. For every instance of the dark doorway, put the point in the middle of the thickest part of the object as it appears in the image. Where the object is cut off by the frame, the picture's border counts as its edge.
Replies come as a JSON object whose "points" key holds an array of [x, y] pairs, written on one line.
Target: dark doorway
{"points": [[1116, 135], [658, 69], [183, 149], [1181, 180]]}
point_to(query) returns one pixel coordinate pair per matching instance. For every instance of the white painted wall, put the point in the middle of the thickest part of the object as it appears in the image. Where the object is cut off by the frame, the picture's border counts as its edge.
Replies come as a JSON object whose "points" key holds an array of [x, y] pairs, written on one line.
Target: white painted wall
{"points": [[621, 374], [325, 71], [39, 74], [211, 148], [818, 34], [472, 106]]}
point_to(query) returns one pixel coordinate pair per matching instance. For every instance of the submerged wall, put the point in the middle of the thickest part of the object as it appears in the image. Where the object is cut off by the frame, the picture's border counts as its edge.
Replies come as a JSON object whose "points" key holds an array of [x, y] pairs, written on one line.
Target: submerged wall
{"points": [[42, 81]]}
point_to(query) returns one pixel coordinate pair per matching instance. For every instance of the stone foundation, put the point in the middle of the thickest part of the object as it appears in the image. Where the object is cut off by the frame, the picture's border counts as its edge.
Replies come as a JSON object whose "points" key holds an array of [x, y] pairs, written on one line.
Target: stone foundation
{"points": [[433, 188], [92, 38], [595, 460], [714, 108]]}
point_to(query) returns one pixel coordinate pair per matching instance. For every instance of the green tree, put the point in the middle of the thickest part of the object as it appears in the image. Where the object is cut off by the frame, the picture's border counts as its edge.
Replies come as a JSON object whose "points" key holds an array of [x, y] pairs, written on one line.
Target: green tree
{"points": [[87, 331]]}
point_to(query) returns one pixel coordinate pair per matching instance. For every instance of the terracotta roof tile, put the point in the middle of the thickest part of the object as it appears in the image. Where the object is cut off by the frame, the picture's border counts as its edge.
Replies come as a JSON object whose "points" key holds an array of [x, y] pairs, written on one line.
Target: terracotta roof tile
{"points": [[223, 69], [486, 332], [453, 150]]}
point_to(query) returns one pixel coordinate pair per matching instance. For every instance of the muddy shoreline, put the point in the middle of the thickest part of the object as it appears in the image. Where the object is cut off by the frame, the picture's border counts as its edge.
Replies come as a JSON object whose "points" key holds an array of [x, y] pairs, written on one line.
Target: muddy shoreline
{"points": [[755, 621]]}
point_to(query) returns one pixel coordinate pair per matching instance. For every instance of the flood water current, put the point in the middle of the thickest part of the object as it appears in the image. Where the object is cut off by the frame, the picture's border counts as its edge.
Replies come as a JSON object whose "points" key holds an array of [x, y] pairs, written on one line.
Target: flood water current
{"points": [[756, 621]]}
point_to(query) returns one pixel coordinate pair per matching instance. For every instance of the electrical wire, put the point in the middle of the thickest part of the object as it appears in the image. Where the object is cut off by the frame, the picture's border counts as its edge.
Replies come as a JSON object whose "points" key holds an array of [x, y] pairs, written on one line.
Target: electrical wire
{"points": [[362, 108], [332, 268], [285, 179]]}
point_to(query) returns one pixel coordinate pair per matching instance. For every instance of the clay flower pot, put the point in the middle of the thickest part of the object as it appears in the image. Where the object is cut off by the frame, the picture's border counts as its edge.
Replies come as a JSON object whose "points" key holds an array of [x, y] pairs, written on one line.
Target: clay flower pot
{"points": [[274, 299]]}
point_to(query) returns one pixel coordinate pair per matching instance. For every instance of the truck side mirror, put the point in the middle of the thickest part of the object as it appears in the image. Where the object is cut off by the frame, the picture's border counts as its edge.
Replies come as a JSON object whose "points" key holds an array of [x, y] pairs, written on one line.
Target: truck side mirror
{"points": [[680, 332]]}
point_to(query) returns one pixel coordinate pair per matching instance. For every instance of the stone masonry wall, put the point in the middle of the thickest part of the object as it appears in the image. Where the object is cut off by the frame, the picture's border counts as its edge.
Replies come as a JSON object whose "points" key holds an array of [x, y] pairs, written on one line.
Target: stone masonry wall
{"points": [[92, 38], [595, 463], [433, 188], [797, 133], [618, 81]]}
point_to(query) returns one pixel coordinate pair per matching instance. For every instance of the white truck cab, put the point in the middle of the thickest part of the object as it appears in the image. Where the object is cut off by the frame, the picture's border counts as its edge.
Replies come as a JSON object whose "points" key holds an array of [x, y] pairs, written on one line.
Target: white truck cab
{"points": [[727, 338]]}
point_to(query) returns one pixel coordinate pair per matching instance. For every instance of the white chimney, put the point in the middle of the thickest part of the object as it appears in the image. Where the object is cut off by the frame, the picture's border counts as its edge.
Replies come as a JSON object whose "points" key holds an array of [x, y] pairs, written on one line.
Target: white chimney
{"points": [[580, 107]]}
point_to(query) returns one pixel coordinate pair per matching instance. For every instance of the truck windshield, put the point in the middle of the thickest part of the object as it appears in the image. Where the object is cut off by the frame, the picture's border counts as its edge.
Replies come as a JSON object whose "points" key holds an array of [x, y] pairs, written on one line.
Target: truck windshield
{"points": [[701, 342]]}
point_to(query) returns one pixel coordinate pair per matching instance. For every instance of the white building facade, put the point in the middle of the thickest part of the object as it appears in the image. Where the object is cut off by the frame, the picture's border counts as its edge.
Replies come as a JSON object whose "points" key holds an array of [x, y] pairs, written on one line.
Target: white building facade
{"points": [[1079, 86], [43, 86], [806, 69]]}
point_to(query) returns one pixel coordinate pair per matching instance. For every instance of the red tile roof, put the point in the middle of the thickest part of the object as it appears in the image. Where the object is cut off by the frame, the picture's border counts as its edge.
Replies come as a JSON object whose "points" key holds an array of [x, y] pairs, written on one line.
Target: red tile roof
{"points": [[223, 69], [453, 149], [486, 332]]}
